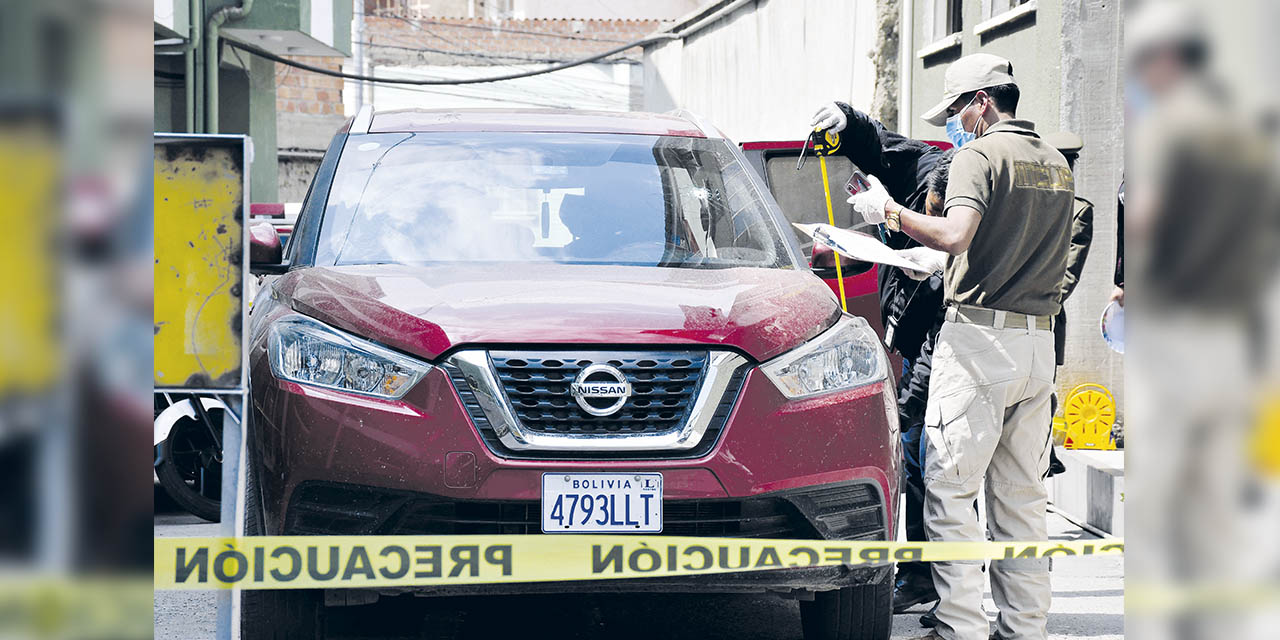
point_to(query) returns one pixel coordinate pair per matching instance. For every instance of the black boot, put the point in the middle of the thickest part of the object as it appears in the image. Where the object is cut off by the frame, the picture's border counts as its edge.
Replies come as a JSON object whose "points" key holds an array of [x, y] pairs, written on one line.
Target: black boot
{"points": [[930, 620], [1055, 465], [911, 590]]}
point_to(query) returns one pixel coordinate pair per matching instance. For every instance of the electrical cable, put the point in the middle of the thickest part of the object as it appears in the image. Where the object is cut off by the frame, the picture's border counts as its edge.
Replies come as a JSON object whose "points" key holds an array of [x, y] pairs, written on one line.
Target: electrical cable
{"points": [[548, 34], [469, 44], [499, 58], [446, 82]]}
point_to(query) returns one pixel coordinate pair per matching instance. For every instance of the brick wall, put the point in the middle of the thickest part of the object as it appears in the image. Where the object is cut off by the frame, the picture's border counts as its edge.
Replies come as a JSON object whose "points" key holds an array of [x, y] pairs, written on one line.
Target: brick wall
{"points": [[457, 41], [475, 41], [304, 92]]}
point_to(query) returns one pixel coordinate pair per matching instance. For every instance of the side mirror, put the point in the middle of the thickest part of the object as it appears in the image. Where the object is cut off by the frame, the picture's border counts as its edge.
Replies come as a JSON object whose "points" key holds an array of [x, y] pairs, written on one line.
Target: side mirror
{"points": [[266, 255], [823, 263]]}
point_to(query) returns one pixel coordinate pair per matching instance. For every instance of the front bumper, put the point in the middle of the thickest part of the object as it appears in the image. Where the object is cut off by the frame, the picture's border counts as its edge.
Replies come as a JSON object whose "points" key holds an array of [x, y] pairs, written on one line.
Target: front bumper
{"points": [[798, 583], [842, 511]]}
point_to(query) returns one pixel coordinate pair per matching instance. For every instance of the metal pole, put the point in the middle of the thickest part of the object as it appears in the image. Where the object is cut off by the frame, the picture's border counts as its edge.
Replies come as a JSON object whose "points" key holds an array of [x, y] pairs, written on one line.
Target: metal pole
{"points": [[197, 79], [230, 524], [189, 80], [358, 47], [212, 42], [56, 473]]}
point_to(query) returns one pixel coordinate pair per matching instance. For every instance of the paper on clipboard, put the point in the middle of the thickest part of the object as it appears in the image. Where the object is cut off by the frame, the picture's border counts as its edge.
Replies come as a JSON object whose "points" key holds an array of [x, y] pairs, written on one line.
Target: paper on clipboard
{"points": [[859, 246]]}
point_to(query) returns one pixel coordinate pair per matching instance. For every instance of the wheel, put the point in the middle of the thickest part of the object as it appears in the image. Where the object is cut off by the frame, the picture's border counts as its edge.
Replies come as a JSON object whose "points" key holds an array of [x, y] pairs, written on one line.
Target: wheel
{"points": [[191, 472], [274, 614], [864, 612]]}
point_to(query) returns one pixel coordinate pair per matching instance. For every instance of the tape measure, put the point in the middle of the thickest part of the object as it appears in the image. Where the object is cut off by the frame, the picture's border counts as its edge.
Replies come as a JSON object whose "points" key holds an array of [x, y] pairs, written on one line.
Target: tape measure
{"points": [[826, 142]]}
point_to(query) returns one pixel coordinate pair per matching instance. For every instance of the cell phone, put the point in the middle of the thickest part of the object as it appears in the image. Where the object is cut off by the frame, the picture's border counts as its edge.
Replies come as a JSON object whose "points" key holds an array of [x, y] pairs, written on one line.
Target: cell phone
{"points": [[857, 183]]}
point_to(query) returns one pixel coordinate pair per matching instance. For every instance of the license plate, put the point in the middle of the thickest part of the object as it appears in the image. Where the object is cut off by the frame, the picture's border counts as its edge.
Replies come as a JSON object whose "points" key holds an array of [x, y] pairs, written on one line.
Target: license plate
{"points": [[601, 503]]}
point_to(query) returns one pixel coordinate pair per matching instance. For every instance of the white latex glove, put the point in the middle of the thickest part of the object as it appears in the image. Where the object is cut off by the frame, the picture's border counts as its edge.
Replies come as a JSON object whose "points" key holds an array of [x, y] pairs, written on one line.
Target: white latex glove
{"points": [[830, 117], [870, 203], [932, 259]]}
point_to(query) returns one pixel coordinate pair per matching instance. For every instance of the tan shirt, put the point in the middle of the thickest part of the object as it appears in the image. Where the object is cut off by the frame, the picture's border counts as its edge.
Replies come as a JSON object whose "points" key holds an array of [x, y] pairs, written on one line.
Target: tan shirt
{"points": [[1204, 176], [1025, 192]]}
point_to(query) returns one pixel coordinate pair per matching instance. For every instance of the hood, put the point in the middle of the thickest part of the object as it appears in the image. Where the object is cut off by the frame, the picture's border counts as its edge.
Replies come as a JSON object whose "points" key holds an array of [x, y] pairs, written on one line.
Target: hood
{"points": [[429, 310]]}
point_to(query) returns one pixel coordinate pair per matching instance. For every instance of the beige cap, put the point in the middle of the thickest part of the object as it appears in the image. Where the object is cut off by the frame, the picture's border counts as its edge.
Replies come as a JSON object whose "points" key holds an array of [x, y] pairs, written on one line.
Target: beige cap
{"points": [[1159, 24], [1065, 142], [970, 73]]}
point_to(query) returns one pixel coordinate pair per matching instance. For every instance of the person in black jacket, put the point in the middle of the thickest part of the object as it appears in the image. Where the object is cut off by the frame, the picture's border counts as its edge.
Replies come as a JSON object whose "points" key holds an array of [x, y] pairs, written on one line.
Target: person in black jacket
{"points": [[1117, 294], [1069, 145], [911, 310]]}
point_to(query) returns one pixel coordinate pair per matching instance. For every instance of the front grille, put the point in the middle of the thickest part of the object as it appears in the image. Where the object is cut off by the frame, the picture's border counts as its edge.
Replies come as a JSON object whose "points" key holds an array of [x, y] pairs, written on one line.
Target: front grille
{"points": [[665, 384], [662, 390], [852, 511]]}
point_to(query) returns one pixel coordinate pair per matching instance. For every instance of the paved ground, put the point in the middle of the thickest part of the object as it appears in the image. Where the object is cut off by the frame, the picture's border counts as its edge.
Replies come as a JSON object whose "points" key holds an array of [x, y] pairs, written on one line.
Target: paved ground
{"points": [[1088, 602]]}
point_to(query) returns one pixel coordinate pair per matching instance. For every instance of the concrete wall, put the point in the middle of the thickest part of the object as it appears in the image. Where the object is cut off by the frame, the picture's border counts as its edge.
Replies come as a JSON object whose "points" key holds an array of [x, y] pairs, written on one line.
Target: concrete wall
{"points": [[169, 97], [1092, 105], [1066, 59], [762, 71], [1032, 44], [247, 99], [295, 172]]}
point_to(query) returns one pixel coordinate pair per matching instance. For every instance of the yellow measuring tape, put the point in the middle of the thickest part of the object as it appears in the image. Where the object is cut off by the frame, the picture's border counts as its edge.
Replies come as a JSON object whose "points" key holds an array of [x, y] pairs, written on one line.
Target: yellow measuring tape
{"points": [[823, 147], [309, 562], [831, 220]]}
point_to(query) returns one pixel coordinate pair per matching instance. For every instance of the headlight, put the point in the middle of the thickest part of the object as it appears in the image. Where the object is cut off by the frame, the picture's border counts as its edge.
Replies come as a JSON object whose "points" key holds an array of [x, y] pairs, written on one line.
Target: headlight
{"points": [[845, 356], [308, 352]]}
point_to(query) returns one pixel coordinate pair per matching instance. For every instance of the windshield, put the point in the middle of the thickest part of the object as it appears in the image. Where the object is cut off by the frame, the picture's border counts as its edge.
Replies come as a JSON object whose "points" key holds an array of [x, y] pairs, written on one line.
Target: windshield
{"points": [[543, 197]]}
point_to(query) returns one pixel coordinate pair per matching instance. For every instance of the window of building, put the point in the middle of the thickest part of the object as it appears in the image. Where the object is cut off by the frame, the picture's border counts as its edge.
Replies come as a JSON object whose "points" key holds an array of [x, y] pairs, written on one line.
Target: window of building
{"points": [[992, 8], [955, 16], [943, 22], [999, 13], [943, 18]]}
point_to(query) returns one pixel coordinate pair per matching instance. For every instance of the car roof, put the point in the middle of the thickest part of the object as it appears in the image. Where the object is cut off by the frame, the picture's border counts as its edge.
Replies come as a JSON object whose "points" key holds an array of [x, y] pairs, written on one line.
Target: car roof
{"points": [[531, 120]]}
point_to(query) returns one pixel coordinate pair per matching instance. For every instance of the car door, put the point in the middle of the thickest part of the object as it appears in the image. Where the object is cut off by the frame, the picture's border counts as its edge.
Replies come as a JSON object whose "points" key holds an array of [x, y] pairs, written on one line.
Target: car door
{"points": [[799, 194]]}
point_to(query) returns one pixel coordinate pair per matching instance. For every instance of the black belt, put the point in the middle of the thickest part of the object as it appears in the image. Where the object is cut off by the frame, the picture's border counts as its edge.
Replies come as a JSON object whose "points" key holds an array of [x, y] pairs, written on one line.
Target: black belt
{"points": [[997, 318]]}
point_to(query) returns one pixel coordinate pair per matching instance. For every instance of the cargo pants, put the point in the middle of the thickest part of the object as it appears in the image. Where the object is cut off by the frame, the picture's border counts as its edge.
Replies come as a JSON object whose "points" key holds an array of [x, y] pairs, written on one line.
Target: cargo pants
{"points": [[988, 419]]}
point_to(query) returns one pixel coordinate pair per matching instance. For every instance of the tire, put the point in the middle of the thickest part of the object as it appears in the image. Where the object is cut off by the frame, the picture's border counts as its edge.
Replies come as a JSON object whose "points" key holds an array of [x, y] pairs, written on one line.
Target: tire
{"points": [[274, 614], [187, 437], [864, 612]]}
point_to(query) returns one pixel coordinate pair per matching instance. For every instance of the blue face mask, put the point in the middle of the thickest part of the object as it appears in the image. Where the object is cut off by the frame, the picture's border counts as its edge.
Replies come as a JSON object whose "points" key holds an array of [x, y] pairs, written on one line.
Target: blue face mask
{"points": [[955, 129], [1137, 100]]}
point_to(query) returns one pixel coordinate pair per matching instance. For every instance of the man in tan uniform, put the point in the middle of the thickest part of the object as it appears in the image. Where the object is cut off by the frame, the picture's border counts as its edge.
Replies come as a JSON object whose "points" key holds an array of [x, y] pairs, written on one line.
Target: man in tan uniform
{"points": [[1007, 228]]}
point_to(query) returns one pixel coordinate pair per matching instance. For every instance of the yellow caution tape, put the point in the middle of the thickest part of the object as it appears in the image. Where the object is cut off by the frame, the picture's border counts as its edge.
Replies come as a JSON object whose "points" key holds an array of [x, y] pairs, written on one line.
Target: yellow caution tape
{"points": [[84, 607], [307, 562], [1181, 597]]}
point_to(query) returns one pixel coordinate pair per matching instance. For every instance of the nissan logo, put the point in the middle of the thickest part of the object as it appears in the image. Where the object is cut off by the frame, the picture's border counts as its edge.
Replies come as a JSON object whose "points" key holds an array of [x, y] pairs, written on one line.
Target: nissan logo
{"points": [[600, 390]]}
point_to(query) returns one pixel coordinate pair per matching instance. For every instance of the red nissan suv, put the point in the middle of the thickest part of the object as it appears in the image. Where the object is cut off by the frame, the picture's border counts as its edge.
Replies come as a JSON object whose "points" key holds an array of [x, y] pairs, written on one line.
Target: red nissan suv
{"points": [[482, 317]]}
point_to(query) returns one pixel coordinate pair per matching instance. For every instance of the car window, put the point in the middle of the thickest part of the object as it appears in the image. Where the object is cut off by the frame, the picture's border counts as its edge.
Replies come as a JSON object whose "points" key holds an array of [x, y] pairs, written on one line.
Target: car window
{"points": [[799, 193], [573, 198], [300, 249]]}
